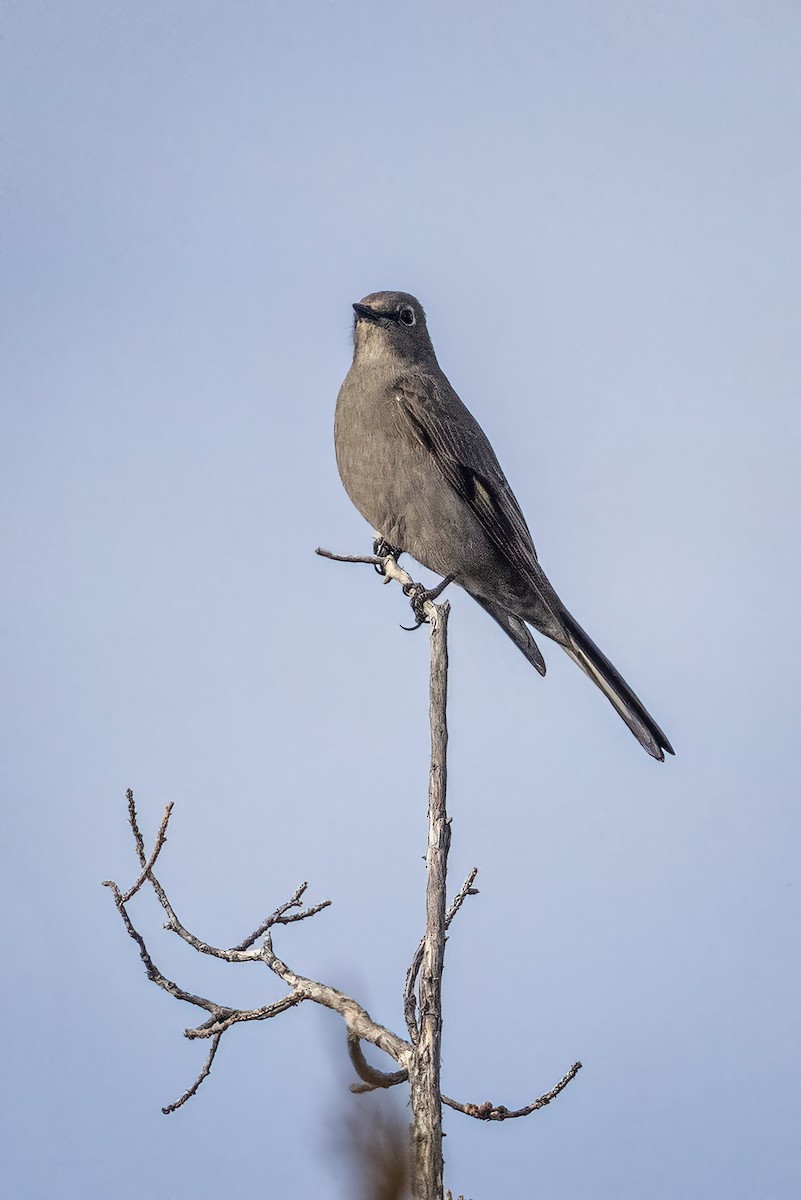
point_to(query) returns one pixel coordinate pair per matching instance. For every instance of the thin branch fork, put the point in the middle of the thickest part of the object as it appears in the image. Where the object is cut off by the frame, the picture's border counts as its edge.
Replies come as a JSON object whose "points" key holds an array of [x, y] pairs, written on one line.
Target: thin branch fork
{"points": [[222, 1017]]}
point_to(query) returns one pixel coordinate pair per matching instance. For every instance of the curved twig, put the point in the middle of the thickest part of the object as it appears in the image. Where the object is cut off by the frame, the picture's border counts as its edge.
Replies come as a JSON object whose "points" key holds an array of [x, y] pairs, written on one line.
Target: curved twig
{"points": [[372, 1078], [497, 1112]]}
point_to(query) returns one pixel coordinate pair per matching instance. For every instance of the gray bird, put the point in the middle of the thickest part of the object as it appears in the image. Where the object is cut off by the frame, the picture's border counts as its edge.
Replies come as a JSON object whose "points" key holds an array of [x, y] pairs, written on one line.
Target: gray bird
{"points": [[419, 468]]}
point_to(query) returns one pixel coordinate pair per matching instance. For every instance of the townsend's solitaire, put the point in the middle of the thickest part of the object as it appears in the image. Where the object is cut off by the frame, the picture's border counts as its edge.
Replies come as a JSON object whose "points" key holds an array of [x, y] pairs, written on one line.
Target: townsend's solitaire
{"points": [[419, 468]]}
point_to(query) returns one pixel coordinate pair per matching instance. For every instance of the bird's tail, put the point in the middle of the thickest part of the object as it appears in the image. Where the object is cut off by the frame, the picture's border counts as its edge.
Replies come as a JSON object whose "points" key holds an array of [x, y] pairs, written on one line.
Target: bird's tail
{"points": [[582, 649], [517, 630]]}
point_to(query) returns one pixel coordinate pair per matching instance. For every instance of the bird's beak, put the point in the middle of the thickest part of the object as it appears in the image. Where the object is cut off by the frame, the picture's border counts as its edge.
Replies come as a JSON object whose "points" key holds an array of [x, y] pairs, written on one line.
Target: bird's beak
{"points": [[373, 314], [364, 310]]}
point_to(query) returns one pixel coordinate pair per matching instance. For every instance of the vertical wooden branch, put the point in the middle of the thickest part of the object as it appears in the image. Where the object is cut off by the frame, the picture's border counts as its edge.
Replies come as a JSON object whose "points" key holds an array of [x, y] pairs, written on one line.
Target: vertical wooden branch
{"points": [[424, 1070]]}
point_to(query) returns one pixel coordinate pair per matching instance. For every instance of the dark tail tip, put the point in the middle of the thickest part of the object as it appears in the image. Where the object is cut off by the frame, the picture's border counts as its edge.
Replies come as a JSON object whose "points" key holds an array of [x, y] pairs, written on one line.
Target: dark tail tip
{"points": [[606, 677]]}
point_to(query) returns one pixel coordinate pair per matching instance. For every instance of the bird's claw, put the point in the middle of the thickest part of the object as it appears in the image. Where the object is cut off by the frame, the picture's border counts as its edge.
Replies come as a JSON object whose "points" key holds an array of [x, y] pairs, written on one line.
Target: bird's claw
{"points": [[382, 549], [419, 597]]}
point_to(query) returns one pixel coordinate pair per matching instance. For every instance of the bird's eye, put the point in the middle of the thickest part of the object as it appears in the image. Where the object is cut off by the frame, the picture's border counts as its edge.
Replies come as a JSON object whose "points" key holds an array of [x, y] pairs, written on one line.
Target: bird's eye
{"points": [[407, 316]]}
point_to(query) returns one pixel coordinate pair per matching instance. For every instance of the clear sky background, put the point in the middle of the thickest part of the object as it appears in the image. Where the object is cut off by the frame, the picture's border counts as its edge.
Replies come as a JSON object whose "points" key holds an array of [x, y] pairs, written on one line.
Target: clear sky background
{"points": [[598, 204]]}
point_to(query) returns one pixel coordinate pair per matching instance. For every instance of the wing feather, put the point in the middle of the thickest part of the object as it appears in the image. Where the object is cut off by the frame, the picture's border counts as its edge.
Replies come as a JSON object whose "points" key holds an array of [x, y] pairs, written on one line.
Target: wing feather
{"points": [[460, 449]]}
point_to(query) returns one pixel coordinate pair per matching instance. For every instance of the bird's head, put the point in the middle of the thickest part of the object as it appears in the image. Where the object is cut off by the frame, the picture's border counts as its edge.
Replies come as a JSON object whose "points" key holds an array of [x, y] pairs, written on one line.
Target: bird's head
{"points": [[391, 324]]}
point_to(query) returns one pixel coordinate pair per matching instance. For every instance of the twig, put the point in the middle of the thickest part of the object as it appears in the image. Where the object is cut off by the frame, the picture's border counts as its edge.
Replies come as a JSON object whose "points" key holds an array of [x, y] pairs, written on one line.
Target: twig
{"points": [[419, 598], [161, 838], [153, 973], [373, 560], [236, 954], [374, 1079], [190, 1091], [239, 953], [236, 1016], [147, 868], [409, 998], [140, 845], [222, 1017], [371, 1076], [466, 890], [492, 1112], [279, 917]]}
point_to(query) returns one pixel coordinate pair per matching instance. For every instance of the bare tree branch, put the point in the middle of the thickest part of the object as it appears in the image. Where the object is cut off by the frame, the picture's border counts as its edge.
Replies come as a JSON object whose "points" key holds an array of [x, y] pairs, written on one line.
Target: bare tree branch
{"points": [[492, 1112], [161, 838], [374, 1079], [222, 1017], [235, 1016], [279, 917], [465, 890], [373, 560], [409, 998], [140, 845], [371, 1076], [235, 955], [424, 1067], [421, 600], [153, 973], [357, 1020], [419, 1058], [190, 1091]]}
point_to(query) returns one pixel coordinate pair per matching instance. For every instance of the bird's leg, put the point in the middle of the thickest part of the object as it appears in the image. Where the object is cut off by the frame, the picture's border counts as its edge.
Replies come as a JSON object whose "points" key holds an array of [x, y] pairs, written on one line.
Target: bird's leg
{"points": [[382, 548], [418, 596]]}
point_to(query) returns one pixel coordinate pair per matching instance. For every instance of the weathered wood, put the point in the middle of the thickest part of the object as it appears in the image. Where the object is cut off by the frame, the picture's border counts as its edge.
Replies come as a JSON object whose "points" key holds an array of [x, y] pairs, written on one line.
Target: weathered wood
{"points": [[424, 1068]]}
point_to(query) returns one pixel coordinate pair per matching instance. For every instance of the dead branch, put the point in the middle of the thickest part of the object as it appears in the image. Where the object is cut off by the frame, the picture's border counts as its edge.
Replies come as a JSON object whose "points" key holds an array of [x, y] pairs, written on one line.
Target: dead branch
{"points": [[421, 600], [373, 560], [419, 1058], [424, 1067], [409, 998], [190, 1091], [491, 1112], [371, 1077], [161, 838], [222, 1017]]}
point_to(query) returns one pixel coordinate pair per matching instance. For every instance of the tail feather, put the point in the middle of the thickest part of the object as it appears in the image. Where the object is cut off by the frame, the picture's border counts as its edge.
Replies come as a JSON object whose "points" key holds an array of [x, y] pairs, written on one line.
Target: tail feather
{"points": [[517, 630], [582, 649], [593, 662]]}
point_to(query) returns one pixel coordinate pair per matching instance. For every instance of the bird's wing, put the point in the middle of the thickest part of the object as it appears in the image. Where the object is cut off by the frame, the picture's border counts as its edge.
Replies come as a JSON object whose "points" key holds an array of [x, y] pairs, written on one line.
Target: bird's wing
{"points": [[459, 447]]}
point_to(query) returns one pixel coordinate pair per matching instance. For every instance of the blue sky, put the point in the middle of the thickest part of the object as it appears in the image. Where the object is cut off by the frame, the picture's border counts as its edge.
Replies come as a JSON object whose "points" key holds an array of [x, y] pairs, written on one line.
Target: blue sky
{"points": [[598, 206]]}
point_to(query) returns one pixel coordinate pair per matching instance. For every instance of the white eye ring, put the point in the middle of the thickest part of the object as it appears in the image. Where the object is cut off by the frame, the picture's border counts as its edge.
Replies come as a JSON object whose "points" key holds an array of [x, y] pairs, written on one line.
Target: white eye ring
{"points": [[407, 317]]}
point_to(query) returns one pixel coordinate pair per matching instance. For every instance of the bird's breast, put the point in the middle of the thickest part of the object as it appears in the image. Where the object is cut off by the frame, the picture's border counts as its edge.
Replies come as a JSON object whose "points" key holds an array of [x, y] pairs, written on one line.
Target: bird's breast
{"points": [[396, 484], [379, 463]]}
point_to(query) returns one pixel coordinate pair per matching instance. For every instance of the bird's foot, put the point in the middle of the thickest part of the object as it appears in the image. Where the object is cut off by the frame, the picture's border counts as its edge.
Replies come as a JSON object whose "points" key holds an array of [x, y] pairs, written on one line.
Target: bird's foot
{"points": [[381, 549], [419, 597]]}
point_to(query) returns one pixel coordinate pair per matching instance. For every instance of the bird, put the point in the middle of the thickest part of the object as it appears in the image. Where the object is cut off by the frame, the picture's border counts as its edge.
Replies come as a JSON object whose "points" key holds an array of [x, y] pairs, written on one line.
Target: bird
{"points": [[419, 468]]}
